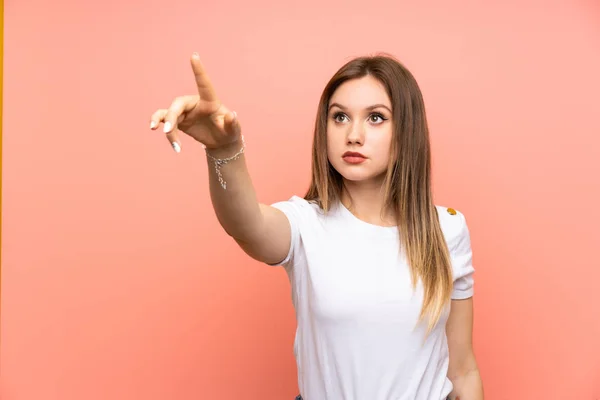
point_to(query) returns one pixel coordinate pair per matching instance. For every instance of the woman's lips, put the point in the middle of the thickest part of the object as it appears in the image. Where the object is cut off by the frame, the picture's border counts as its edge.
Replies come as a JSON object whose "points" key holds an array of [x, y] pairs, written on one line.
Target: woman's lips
{"points": [[352, 157]]}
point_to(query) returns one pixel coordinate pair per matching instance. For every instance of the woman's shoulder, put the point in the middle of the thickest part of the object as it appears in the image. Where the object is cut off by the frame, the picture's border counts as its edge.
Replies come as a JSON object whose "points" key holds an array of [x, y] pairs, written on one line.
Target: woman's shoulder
{"points": [[453, 223], [298, 205], [299, 202]]}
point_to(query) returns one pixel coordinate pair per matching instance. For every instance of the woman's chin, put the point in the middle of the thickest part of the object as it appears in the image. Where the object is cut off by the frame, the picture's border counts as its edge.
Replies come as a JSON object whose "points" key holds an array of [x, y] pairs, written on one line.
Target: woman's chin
{"points": [[363, 172], [357, 175]]}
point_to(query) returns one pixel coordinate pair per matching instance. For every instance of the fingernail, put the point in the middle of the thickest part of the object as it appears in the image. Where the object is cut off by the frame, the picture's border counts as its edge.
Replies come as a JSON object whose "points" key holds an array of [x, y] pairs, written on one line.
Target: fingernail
{"points": [[234, 115], [176, 147], [167, 127], [196, 55], [152, 124]]}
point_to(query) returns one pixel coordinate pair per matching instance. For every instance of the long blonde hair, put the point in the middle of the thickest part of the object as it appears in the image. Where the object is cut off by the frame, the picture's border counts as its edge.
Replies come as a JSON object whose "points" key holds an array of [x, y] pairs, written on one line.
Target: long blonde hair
{"points": [[407, 185]]}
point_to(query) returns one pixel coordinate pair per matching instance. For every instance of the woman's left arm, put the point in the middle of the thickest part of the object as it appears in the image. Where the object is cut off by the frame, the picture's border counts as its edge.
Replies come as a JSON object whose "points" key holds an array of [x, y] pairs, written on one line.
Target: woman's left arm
{"points": [[463, 370]]}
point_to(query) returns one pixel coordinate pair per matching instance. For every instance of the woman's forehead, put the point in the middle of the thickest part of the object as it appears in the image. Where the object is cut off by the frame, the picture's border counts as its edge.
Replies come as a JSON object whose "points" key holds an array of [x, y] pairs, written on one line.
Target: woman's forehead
{"points": [[361, 93]]}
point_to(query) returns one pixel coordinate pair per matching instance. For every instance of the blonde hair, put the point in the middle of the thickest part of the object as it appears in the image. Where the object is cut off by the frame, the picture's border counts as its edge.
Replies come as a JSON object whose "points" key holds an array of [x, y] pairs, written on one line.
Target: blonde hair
{"points": [[407, 185]]}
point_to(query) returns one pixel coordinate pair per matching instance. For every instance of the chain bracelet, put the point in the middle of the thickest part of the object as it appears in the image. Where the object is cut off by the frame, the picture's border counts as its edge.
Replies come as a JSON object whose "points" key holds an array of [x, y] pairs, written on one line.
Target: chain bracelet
{"points": [[219, 162]]}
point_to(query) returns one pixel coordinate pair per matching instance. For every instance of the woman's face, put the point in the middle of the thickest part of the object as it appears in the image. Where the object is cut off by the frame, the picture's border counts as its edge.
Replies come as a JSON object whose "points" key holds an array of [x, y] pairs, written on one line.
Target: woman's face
{"points": [[360, 129]]}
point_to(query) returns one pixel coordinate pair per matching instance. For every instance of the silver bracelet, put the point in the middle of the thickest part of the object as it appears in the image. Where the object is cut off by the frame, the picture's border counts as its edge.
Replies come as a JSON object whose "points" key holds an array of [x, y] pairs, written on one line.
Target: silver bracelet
{"points": [[219, 162]]}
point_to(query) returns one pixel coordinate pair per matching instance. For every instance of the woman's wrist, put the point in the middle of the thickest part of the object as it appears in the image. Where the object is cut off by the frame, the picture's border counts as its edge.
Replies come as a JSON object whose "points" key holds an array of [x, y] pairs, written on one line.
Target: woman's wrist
{"points": [[224, 155], [226, 150]]}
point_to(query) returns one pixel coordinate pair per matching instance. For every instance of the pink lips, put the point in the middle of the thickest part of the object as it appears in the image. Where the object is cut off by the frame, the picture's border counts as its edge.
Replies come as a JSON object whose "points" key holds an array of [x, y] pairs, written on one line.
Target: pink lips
{"points": [[352, 157]]}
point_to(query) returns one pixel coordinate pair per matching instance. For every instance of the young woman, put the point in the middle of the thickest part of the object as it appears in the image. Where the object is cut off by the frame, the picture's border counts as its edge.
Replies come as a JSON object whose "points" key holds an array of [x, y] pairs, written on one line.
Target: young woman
{"points": [[381, 277]]}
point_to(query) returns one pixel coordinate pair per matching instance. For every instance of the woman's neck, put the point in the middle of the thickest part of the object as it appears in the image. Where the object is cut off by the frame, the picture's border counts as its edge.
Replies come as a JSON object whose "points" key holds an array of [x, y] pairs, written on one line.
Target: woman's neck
{"points": [[366, 201]]}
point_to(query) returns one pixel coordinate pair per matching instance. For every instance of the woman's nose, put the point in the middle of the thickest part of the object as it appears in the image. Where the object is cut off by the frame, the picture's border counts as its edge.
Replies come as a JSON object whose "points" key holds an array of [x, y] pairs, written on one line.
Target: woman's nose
{"points": [[356, 134]]}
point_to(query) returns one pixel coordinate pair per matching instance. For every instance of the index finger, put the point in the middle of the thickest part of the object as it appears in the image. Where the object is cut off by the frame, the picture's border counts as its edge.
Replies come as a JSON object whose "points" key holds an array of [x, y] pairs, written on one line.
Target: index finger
{"points": [[205, 88]]}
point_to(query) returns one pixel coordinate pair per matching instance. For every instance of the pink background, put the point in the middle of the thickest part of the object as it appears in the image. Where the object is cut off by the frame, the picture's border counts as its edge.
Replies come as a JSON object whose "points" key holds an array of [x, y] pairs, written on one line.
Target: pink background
{"points": [[117, 281]]}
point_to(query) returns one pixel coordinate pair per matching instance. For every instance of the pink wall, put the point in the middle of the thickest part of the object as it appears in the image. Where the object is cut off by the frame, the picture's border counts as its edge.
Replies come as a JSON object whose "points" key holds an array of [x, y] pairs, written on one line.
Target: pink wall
{"points": [[117, 282]]}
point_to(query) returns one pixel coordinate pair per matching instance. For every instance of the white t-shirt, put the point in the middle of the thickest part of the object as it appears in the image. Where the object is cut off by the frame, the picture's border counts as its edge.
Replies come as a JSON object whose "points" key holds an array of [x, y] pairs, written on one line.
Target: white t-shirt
{"points": [[356, 311]]}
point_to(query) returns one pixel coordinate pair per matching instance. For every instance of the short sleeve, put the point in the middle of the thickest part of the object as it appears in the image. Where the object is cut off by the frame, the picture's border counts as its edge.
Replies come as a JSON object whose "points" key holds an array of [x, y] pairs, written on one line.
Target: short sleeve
{"points": [[293, 209], [461, 256]]}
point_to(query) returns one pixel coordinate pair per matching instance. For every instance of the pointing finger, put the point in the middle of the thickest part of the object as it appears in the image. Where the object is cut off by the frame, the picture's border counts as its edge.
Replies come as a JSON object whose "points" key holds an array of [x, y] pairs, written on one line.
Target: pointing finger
{"points": [[205, 87]]}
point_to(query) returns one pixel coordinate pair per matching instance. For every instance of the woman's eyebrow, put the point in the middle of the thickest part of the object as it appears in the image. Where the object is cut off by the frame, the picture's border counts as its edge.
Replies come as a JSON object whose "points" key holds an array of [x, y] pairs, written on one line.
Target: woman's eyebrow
{"points": [[368, 108]]}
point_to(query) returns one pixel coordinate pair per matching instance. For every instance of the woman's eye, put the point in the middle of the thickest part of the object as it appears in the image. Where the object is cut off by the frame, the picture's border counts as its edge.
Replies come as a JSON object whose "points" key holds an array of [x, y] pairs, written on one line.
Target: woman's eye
{"points": [[373, 118], [377, 118], [337, 117]]}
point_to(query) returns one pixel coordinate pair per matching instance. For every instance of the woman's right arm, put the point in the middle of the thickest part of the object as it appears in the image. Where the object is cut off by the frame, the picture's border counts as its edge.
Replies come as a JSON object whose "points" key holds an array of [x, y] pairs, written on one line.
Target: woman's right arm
{"points": [[262, 231]]}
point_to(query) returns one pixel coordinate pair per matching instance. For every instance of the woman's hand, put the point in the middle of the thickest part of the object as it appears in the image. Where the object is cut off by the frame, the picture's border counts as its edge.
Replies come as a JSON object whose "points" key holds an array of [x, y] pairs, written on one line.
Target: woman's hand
{"points": [[202, 116]]}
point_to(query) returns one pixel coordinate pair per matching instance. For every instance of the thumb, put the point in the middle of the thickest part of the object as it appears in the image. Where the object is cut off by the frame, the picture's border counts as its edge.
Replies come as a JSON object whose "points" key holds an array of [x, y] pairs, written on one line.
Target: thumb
{"points": [[231, 124]]}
